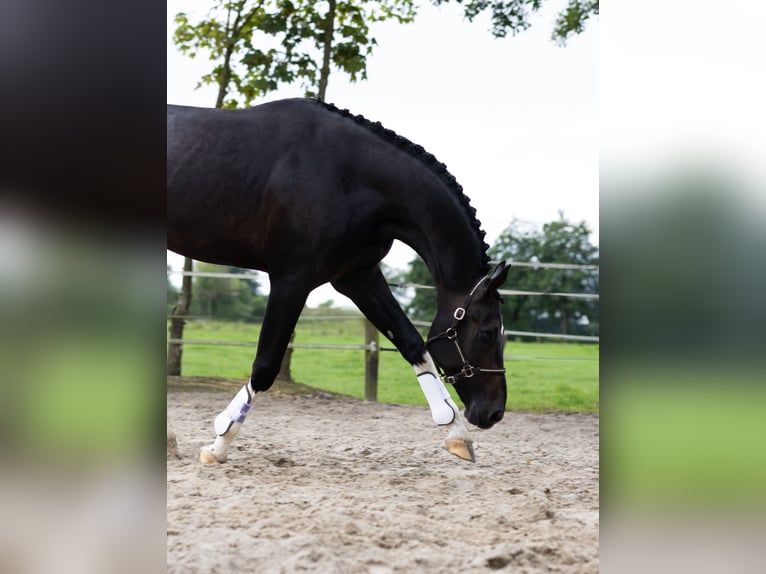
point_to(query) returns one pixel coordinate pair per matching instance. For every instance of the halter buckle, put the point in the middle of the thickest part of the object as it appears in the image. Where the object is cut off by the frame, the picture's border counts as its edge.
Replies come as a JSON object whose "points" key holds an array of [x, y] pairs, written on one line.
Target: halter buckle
{"points": [[469, 371], [459, 314]]}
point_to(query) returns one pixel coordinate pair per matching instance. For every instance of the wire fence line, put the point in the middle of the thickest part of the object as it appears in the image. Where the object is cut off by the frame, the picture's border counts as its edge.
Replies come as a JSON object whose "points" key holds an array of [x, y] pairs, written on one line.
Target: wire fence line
{"points": [[504, 291], [370, 347], [337, 347], [259, 319], [406, 285], [216, 274], [215, 343], [508, 334], [534, 264], [540, 265], [582, 338]]}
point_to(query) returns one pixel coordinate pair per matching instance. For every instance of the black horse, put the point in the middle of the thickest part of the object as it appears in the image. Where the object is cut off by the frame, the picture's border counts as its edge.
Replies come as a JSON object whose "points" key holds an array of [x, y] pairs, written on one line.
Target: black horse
{"points": [[313, 194]]}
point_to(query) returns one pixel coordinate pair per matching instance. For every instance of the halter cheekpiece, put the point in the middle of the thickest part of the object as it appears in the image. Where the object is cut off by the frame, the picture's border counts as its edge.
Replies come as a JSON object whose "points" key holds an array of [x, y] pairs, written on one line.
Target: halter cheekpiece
{"points": [[467, 371]]}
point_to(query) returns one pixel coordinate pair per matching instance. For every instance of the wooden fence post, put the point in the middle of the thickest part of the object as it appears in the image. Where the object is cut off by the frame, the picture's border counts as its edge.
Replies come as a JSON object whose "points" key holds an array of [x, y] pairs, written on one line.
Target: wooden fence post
{"points": [[371, 355]]}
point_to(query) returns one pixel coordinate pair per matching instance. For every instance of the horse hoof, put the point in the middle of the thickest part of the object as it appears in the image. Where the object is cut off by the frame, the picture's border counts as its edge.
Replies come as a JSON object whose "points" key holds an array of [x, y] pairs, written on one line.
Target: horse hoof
{"points": [[461, 448], [206, 456]]}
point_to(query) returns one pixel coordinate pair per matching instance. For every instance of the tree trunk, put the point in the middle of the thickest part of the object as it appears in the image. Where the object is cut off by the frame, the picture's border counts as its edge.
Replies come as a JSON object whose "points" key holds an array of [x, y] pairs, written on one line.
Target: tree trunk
{"points": [[326, 51], [223, 82], [284, 368], [177, 322], [231, 32]]}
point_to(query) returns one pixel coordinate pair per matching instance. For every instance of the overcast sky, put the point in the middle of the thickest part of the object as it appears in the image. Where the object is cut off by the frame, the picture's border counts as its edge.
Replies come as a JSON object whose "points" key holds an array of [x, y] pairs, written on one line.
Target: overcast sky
{"points": [[514, 119]]}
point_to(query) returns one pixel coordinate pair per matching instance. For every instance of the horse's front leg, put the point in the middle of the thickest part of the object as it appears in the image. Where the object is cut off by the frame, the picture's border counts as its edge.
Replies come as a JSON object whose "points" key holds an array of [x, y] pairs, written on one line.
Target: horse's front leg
{"points": [[444, 411], [371, 294], [286, 301]]}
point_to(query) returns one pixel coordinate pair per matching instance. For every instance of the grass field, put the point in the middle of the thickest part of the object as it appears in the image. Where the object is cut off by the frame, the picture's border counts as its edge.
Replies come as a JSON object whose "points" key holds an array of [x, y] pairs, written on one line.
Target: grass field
{"points": [[542, 377], [685, 434]]}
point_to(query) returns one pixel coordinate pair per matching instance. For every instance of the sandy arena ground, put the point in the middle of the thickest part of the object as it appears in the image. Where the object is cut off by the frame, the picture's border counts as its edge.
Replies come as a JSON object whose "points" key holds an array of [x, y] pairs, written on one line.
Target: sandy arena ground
{"points": [[319, 483]]}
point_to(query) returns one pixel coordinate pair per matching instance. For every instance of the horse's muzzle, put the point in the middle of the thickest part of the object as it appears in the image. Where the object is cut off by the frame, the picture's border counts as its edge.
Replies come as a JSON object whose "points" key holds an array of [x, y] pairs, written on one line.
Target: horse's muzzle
{"points": [[484, 418]]}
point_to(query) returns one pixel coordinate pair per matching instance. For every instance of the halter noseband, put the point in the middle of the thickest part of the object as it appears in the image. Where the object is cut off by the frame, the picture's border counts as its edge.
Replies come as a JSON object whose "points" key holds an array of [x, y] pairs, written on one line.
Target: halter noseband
{"points": [[450, 334]]}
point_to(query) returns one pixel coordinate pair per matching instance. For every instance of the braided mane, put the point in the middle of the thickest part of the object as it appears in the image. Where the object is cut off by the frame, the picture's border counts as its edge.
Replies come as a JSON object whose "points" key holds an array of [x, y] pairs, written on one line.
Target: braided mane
{"points": [[430, 162]]}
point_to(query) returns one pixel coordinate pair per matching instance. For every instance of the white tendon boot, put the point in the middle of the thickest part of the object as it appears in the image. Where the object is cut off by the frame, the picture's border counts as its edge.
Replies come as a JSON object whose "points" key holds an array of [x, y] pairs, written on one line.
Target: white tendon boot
{"points": [[227, 425], [444, 411]]}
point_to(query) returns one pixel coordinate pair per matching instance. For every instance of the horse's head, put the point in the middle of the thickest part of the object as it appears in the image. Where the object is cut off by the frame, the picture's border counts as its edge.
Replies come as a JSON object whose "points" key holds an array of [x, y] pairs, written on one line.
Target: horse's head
{"points": [[466, 343]]}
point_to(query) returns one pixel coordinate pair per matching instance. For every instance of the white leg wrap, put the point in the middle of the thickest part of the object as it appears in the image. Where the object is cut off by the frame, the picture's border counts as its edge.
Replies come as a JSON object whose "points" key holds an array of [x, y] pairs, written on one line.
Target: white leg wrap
{"points": [[235, 413], [443, 408], [227, 425], [441, 411]]}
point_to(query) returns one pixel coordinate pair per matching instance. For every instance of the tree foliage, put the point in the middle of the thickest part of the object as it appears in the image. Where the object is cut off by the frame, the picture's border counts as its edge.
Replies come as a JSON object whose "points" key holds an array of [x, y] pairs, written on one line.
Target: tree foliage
{"points": [[558, 241], [514, 15], [572, 19], [422, 307], [258, 45], [227, 298]]}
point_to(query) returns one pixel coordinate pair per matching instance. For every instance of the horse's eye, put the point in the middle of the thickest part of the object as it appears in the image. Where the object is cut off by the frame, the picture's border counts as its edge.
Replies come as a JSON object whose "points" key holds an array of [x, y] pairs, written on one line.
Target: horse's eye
{"points": [[487, 335]]}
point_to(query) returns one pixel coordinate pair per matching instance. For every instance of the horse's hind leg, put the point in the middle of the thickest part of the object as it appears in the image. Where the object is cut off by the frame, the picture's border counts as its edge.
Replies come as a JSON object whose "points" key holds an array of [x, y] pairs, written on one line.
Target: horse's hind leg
{"points": [[371, 294], [227, 425], [286, 301]]}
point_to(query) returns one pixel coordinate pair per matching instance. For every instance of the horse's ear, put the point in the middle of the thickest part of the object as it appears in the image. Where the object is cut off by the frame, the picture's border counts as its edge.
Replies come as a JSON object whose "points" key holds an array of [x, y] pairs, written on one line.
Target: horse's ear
{"points": [[498, 275]]}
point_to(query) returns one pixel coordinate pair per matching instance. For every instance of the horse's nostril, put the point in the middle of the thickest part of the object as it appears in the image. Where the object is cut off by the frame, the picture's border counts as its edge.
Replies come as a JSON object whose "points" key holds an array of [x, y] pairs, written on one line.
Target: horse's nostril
{"points": [[496, 417]]}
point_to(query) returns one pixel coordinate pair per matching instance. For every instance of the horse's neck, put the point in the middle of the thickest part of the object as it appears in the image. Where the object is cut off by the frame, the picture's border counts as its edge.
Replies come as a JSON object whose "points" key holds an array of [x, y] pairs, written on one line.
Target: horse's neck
{"points": [[441, 231]]}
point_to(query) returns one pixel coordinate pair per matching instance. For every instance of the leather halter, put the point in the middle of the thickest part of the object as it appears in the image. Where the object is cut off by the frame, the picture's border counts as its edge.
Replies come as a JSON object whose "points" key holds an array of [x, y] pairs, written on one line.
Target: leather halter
{"points": [[467, 371]]}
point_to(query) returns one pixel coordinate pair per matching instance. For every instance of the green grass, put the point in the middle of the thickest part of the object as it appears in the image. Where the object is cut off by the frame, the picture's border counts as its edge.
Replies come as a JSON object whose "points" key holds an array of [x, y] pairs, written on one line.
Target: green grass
{"points": [[90, 399], [542, 377], [686, 436]]}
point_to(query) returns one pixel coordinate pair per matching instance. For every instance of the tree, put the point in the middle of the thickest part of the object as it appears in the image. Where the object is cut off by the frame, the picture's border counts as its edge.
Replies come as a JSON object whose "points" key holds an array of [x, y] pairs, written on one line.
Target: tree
{"points": [[227, 298], [256, 301], [558, 241], [177, 322], [259, 44], [423, 304], [513, 16]]}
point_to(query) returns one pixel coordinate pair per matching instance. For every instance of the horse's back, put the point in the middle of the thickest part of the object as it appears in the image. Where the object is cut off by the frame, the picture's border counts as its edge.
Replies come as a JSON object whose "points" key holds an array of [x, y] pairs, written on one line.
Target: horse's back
{"points": [[249, 185], [237, 152]]}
